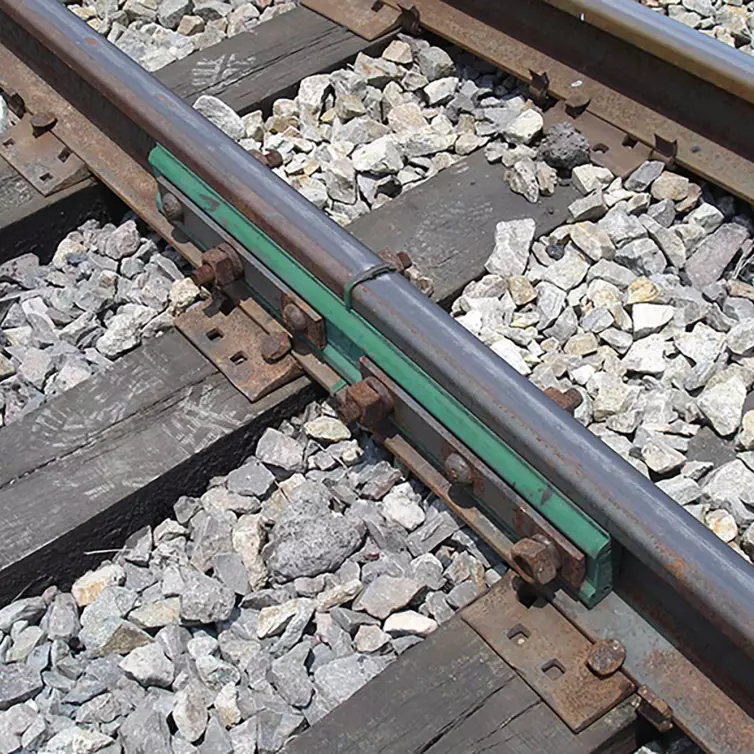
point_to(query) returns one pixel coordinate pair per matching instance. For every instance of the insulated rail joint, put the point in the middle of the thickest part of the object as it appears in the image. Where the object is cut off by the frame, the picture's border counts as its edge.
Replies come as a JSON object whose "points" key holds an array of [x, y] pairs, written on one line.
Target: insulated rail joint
{"points": [[517, 496]]}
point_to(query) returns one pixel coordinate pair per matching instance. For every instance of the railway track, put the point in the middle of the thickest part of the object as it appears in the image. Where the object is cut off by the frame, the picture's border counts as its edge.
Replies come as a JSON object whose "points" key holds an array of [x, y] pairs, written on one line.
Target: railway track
{"points": [[620, 613]]}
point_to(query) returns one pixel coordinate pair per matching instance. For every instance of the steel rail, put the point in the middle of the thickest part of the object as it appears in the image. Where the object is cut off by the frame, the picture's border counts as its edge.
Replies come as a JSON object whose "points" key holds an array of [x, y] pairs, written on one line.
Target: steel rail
{"points": [[668, 40], [709, 576]]}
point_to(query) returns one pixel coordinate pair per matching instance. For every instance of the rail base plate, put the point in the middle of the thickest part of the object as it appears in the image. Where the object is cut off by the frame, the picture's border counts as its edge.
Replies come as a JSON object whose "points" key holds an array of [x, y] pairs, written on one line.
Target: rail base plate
{"points": [[547, 651], [233, 343]]}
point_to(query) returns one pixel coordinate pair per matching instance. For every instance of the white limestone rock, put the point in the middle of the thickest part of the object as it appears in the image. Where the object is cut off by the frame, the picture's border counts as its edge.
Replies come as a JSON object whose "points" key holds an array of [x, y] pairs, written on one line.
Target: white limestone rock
{"points": [[646, 356], [722, 402], [513, 240], [650, 318], [381, 157], [524, 127], [409, 623], [221, 115]]}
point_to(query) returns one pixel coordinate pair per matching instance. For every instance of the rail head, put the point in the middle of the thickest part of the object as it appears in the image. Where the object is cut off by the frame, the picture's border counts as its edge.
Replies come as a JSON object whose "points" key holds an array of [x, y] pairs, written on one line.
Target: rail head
{"points": [[669, 40]]}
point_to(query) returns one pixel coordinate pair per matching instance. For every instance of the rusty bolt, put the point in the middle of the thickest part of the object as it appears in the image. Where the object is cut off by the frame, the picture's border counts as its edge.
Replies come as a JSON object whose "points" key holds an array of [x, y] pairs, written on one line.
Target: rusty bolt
{"points": [[400, 260], [367, 402], [404, 259], [270, 159], [275, 347], [172, 209], [295, 319], [536, 559], [568, 400], [654, 709], [606, 657], [203, 276], [457, 469], [273, 158], [42, 122], [220, 266]]}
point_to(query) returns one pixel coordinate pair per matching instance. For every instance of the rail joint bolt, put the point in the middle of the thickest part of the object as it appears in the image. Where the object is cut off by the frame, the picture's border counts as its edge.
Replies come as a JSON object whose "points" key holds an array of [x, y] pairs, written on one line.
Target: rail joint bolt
{"points": [[295, 319], [220, 266], [458, 469], [367, 402], [606, 657], [536, 559], [172, 209]]}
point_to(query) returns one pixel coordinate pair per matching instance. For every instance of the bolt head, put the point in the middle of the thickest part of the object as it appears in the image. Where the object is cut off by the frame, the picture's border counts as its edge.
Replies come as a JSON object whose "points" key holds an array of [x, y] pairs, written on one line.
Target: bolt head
{"points": [[606, 657], [457, 469], [203, 276], [536, 560], [295, 319], [42, 122], [171, 208], [273, 158]]}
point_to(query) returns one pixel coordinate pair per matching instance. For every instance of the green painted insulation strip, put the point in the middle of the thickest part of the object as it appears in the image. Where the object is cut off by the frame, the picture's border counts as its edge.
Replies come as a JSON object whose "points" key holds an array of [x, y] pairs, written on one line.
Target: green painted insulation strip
{"points": [[350, 335]]}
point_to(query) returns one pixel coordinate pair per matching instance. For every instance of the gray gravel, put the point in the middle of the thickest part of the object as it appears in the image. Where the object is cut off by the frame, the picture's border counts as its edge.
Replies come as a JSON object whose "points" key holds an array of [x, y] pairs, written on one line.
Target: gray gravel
{"points": [[157, 32], [729, 21], [202, 634], [645, 306], [106, 290]]}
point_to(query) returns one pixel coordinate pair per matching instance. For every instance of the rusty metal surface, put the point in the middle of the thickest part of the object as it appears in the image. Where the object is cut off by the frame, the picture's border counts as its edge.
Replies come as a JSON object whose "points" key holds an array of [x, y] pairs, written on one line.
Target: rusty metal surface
{"points": [[717, 718], [221, 265], [104, 157], [642, 95], [500, 500], [300, 351], [547, 651], [569, 400], [367, 401], [309, 323], [40, 157], [233, 343], [606, 657], [655, 709], [537, 559], [300, 318], [367, 18]]}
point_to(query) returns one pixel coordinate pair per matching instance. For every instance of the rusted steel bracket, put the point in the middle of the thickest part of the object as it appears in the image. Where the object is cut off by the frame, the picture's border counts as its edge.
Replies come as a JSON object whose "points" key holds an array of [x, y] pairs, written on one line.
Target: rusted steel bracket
{"points": [[38, 155], [550, 654], [367, 18], [236, 346], [469, 487]]}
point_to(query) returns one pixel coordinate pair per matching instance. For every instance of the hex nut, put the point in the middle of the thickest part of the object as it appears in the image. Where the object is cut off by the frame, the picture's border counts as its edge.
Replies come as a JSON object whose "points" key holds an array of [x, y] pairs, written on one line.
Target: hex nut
{"points": [[606, 657], [536, 559]]}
